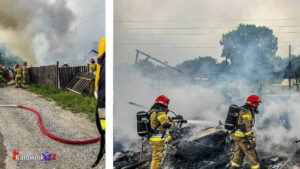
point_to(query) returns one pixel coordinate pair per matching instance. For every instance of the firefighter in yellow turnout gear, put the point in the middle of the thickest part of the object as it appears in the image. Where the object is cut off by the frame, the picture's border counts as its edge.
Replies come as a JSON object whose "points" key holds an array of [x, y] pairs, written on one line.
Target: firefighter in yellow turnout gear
{"points": [[1, 75], [92, 66], [17, 72], [24, 72], [244, 140], [159, 124]]}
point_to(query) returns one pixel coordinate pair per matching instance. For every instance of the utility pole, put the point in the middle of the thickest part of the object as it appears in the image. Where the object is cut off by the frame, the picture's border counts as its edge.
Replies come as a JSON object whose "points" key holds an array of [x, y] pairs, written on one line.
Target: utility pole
{"points": [[290, 69], [136, 57]]}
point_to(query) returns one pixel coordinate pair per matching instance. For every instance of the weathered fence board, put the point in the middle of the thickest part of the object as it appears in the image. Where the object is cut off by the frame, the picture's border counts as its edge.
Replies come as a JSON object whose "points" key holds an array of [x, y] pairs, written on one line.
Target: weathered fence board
{"points": [[47, 75], [67, 74], [79, 83], [43, 76]]}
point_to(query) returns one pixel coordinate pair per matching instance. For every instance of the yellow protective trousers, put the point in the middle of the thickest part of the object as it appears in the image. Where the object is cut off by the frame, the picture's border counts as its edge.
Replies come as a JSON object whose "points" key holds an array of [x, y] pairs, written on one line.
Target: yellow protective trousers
{"points": [[157, 152], [18, 80], [241, 149], [24, 74]]}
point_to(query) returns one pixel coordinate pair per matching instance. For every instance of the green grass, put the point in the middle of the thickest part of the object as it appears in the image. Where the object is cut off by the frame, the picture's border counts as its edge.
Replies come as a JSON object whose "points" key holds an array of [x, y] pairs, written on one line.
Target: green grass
{"points": [[69, 101]]}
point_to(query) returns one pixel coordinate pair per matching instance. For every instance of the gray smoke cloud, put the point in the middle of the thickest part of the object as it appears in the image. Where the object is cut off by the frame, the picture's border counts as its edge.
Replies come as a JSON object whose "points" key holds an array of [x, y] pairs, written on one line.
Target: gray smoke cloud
{"points": [[192, 101], [44, 32], [276, 126]]}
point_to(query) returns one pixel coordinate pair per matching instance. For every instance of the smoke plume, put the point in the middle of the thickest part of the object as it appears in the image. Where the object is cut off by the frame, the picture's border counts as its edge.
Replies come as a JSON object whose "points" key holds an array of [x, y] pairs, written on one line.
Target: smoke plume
{"points": [[43, 32]]}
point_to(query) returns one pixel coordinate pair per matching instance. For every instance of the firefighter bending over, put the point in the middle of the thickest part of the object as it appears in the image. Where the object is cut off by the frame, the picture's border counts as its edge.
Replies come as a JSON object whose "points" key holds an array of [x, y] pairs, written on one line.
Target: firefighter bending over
{"points": [[24, 72], [17, 74], [243, 135], [159, 122]]}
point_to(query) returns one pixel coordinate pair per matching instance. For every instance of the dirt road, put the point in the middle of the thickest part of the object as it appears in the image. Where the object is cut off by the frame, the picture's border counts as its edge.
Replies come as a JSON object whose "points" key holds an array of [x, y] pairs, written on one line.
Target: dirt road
{"points": [[21, 132]]}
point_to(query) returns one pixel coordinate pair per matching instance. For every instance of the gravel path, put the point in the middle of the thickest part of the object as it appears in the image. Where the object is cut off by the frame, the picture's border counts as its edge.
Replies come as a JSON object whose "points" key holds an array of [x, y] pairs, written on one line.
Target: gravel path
{"points": [[21, 132]]}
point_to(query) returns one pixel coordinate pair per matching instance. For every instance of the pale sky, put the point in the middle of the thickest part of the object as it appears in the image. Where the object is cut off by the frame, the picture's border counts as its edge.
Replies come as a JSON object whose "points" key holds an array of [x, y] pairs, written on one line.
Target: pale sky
{"points": [[177, 30]]}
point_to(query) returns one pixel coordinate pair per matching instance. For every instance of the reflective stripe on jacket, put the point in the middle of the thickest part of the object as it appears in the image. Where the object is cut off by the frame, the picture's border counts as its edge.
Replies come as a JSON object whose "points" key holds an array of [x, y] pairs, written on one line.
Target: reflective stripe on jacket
{"points": [[92, 67], [18, 72], [158, 137], [24, 70], [158, 118], [245, 119]]}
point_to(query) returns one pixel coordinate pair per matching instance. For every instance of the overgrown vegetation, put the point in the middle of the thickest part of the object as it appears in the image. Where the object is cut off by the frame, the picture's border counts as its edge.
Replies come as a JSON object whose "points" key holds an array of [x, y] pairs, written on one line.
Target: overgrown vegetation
{"points": [[69, 101]]}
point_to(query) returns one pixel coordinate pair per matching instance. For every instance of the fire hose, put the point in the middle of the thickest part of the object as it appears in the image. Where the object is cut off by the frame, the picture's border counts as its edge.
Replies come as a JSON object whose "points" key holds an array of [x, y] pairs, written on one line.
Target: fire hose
{"points": [[49, 134], [196, 122]]}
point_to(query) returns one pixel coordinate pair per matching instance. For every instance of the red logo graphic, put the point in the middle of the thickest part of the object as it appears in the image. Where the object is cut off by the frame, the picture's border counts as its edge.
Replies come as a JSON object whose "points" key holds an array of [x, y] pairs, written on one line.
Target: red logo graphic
{"points": [[15, 153]]}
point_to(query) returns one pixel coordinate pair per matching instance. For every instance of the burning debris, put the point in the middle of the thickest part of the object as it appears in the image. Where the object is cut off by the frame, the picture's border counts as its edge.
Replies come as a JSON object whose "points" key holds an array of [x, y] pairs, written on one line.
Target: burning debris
{"points": [[202, 149]]}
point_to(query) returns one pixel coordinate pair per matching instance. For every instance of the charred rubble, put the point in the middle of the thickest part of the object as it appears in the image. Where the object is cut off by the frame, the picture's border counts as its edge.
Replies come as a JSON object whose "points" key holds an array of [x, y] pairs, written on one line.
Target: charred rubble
{"points": [[211, 148]]}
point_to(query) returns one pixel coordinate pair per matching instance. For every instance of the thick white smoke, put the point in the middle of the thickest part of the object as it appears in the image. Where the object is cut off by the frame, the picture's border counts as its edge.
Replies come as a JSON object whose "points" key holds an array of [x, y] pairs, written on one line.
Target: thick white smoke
{"points": [[43, 32], [277, 124], [194, 102]]}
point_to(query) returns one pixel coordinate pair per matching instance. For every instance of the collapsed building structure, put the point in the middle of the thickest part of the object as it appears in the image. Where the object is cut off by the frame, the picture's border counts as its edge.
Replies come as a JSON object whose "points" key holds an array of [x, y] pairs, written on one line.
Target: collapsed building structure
{"points": [[210, 148]]}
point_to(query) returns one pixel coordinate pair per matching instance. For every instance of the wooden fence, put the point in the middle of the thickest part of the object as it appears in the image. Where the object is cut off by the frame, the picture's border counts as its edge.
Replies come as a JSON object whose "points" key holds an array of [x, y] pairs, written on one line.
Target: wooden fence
{"points": [[53, 76], [67, 74]]}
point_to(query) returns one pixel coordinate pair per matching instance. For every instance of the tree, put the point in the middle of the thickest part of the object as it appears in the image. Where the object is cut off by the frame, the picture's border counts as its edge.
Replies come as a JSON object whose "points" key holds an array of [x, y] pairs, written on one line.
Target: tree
{"points": [[293, 69], [202, 66], [6, 58], [250, 50]]}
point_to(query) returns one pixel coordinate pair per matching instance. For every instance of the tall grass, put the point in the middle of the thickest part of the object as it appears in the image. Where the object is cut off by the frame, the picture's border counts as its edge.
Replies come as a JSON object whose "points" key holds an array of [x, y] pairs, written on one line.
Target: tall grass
{"points": [[76, 103]]}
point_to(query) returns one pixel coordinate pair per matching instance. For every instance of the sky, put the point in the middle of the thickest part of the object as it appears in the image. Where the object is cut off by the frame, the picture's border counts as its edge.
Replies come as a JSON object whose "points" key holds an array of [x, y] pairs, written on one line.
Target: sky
{"points": [[176, 30], [45, 31]]}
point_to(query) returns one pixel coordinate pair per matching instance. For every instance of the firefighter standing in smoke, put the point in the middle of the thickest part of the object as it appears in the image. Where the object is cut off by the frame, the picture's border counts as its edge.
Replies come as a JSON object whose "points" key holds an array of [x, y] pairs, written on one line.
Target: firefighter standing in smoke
{"points": [[243, 135], [159, 122], [24, 69], [17, 72], [1, 75], [92, 69], [92, 66]]}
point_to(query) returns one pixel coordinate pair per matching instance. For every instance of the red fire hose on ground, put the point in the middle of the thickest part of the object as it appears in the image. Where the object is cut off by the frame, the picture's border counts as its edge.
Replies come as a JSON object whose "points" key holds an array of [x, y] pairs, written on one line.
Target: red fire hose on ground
{"points": [[49, 134]]}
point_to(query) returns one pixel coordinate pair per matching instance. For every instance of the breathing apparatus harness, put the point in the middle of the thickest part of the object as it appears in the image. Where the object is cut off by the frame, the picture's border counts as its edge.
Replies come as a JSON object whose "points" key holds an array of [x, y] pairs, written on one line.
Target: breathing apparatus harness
{"points": [[144, 128]]}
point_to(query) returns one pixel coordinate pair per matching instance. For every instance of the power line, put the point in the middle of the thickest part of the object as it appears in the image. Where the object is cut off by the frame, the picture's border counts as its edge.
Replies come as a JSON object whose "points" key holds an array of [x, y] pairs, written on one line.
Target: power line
{"points": [[292, 26], [176, 45], [200, 47], [191, 34], [211, 20]]}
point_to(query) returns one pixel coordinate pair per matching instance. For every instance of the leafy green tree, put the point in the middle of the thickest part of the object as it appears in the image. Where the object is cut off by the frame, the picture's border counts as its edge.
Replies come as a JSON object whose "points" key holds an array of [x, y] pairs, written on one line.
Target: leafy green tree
{"points": [[6, 58], [250, 50], [202, 66]]}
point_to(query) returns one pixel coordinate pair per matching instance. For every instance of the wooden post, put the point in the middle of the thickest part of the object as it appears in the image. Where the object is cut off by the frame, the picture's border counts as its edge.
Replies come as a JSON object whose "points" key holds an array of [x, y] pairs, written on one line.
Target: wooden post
{"points": [[57, 73], [136, 57]]}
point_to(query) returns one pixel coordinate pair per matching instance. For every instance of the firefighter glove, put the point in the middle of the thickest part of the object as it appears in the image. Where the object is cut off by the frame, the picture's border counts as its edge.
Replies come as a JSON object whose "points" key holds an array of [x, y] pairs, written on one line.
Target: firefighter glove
{"points": [[167, 125], [252, 144]]}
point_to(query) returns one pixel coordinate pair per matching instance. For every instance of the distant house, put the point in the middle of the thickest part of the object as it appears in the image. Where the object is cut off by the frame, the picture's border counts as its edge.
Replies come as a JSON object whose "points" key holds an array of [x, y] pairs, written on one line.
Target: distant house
{"points": [[285, 82]]}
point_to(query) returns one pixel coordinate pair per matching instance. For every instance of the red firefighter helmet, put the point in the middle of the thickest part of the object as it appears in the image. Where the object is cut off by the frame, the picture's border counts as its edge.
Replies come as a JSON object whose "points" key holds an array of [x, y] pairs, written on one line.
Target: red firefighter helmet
{"points": [[162, 100], [92, 60], [253, 100], [25, 63], [0, 66], [17, 65]]}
